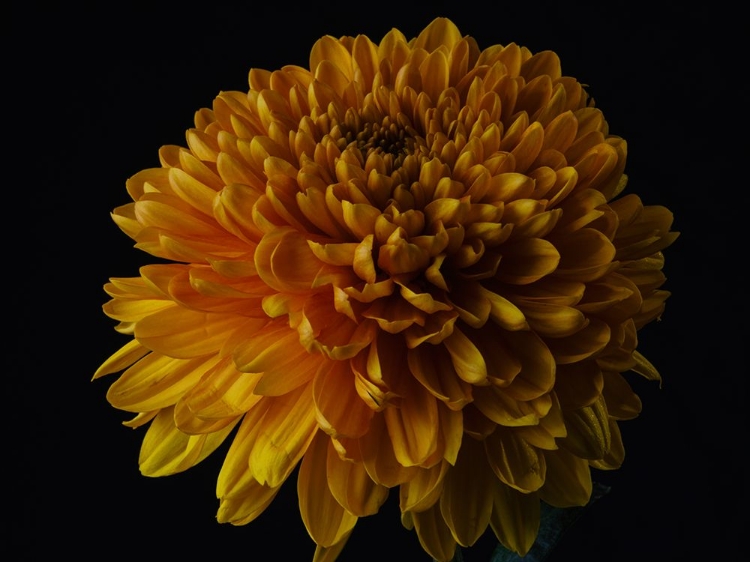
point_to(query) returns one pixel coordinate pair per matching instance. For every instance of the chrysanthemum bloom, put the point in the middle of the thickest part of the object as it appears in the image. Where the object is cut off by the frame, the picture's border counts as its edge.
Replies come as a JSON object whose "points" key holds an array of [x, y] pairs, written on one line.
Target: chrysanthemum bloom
{"points": [[404, 267]]}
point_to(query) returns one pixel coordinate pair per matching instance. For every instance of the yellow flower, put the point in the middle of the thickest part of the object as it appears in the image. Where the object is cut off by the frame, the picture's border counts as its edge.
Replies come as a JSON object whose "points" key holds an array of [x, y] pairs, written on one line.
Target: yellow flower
{"points": [[404, 267]]}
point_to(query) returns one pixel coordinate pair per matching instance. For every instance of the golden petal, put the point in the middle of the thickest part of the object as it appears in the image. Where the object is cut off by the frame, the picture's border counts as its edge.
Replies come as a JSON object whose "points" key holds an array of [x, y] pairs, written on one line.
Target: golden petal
{"points": [[352, 487], [183, 333], [527, 260], [433, 533], [330, 49], [581, 345], [285, 262], [515, 461], [170, 214], [286, 432], [423, 491], [440, 31], [568, 482], [502, 409], [537, 374], [413, 426], [435, 74], [222, 392], [330, 553], [622, 402], [166, 450], [432, 368], [234, 476], [330, 74], [339, 410], [365, 61], [379, 458], [579, 384], [465, 504], [552, 320], [121, 359], [157, 381], [467, 360], [542, 63], [588, 431], [615, 456], [515, 518], [189, 189], [327, 522], [247, 505]]}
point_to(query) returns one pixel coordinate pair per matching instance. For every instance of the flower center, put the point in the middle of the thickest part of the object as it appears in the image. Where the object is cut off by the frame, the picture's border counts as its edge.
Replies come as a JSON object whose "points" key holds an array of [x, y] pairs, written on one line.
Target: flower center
{"points": [[388, 139]]}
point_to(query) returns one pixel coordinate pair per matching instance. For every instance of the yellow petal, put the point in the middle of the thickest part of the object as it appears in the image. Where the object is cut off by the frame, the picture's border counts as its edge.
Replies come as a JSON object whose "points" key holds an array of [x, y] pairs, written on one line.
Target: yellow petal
{"points": [[466, 504], [434, 535], [339, 410], [183, 333], [432, 368], [166, 450], [422, 491], [622, 402], [616, 455], [568, 482], [157, 381], [435, 74], [380, 461], [247, 505], [588, 431], [287, 430], [121, 359], [515, 518], [527, 260], [413, 425], [330, 553], [515, 462], [466, 358], [235, 476], [330, 49], [327, 522], [440, 31], [285, 262], [352, 487]]}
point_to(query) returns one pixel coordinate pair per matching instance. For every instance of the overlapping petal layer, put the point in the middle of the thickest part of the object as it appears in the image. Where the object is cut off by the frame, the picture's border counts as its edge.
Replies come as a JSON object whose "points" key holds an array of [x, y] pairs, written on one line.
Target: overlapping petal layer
{"points": [[404, 266]]}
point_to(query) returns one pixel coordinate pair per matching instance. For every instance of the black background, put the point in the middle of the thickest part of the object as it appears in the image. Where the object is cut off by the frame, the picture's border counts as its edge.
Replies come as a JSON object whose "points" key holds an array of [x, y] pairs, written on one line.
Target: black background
{"points": [[92, 94]]}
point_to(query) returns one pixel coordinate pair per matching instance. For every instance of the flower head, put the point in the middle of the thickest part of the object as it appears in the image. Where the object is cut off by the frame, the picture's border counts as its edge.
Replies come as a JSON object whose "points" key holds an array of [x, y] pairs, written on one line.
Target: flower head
{"points": [[404, 267]]}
